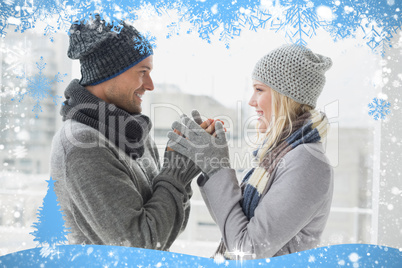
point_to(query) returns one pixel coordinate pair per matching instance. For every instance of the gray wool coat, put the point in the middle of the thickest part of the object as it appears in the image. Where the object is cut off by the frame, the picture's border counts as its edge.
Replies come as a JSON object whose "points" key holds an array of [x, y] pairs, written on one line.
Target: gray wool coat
{"points": [[108, 198], [291, 213]]}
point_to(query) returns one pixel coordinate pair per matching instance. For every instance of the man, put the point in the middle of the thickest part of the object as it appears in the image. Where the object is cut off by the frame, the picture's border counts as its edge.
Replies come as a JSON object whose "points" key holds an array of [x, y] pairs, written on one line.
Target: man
{"points": [[108, 179]]}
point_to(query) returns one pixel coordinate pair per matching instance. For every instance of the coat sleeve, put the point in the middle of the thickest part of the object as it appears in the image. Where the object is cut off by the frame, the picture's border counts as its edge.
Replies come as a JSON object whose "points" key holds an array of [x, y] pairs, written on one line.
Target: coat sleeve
{"points": [[299, 189], [192, 169], [110, 210]]}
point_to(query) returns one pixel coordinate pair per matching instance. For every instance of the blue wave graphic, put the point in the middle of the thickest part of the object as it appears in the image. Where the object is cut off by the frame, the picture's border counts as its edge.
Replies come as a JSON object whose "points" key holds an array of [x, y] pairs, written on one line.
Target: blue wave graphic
{"points": [[347, 255]]}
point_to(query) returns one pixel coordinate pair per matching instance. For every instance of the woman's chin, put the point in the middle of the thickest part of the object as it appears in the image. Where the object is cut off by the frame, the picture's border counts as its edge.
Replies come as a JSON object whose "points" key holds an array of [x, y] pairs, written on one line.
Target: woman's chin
{"points": [[262, 129]]}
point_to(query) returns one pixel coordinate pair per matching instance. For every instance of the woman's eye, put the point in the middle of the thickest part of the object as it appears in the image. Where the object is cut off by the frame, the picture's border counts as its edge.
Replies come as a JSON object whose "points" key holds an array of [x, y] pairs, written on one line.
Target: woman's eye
{"points": [[258, 89]]}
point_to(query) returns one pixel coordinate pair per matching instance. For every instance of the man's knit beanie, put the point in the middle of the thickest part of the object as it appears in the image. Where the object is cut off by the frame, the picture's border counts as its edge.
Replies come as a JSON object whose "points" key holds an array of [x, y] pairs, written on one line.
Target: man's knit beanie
{"points": [[294, 71], [103, 52]]}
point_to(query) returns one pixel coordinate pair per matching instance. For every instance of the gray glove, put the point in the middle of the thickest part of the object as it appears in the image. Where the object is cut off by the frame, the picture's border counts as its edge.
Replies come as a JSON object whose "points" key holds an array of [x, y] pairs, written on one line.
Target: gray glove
{"points": [[210, 153], [196, 117], [178, 166]]}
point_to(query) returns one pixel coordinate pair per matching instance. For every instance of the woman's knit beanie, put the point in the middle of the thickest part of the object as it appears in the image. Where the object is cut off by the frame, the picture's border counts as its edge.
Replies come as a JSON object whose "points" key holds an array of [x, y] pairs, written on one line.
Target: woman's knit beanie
{"points": [[294, 71]]}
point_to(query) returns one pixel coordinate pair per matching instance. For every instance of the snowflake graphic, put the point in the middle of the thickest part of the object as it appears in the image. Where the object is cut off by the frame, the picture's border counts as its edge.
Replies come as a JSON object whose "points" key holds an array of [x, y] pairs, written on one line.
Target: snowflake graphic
{"points": [[257, 19], [174, 29], [298, 20], [6, 11], [225, 17], [228, 33], [20, 152], [39, 87], [145, 43], [90, 23], [354, 16], [16, 56], [219, 259], [377, 39], [48, 11], [379, 108]]}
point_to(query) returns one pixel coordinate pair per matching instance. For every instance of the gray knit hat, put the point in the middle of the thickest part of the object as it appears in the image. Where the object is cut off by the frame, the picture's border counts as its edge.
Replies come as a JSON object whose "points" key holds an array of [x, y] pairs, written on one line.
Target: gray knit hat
{"points": [[103, 53], [294, 71]]}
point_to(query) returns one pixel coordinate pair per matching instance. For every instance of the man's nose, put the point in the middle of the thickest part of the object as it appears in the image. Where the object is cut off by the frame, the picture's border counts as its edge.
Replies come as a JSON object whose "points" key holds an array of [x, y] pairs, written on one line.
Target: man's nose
{"points": [[148, 83]]}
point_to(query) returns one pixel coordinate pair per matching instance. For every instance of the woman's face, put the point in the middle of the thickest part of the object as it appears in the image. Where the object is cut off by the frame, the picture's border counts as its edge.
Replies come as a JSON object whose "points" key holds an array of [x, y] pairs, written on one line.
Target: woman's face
{"points": [[261, 101]]}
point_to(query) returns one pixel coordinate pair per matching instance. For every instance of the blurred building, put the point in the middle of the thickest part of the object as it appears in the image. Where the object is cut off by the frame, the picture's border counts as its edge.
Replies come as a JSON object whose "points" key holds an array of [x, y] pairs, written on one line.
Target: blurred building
{"points": [[24, 139], [350, 218]]}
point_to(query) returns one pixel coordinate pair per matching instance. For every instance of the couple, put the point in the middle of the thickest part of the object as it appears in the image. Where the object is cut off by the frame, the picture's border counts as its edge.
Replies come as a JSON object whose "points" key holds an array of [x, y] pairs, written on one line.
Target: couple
{"points": [[113, 191]]}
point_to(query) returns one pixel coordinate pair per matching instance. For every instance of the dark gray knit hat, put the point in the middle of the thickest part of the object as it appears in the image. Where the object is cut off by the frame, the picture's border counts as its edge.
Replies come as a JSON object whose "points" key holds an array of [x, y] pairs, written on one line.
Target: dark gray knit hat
{"points": [[104, 53], [294, 71]]}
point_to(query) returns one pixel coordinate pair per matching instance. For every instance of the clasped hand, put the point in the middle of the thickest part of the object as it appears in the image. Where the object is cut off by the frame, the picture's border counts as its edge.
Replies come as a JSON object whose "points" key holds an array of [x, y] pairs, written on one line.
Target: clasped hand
{"points": [[209, 153]]}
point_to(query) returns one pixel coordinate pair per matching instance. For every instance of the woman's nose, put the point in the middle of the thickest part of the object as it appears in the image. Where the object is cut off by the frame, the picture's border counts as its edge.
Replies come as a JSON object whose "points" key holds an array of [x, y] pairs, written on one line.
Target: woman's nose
{"points": [[252, 102]]}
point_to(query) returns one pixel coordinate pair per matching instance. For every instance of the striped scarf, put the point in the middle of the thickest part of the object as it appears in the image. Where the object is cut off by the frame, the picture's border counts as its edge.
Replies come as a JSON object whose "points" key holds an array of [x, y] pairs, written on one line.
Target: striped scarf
{"points": [[310, 127]]}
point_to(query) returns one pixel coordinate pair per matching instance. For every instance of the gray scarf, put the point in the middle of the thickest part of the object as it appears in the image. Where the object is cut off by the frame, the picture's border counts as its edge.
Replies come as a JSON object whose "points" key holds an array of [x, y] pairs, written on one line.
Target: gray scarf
{"points": [[127, 131]]}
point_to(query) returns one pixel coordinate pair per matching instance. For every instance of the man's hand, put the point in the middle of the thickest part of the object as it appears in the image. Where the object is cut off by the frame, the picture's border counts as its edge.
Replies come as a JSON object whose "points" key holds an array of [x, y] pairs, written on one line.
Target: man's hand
{"points": [[208, 125], [209, 153]]}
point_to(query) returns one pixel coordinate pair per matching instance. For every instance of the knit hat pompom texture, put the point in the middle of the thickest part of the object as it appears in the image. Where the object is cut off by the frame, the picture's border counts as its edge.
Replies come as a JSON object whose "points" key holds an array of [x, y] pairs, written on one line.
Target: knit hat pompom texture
{"points": [[294, 71], [105, 54]]}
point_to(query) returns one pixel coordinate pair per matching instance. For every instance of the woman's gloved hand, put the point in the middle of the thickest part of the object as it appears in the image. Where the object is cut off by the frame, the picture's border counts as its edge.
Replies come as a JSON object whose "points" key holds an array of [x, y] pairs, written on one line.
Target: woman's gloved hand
{"points": [[210, 153]]}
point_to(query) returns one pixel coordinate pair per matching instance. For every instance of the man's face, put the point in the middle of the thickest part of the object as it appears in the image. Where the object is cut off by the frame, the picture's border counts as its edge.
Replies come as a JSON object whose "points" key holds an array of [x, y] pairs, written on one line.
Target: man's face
{"points": [[126, 90]]}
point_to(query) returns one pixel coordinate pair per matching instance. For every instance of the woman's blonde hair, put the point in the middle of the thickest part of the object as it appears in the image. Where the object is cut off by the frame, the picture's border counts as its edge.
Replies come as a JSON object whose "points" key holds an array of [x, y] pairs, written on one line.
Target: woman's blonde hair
{"points": [[284, 111]]}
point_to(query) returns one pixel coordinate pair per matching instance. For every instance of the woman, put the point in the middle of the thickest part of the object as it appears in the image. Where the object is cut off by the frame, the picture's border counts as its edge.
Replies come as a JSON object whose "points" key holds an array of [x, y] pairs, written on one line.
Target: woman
{"points": [[282, 205]]}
